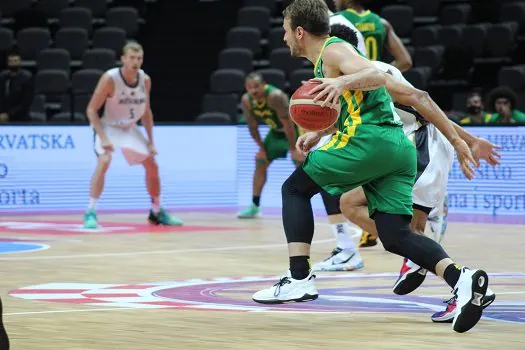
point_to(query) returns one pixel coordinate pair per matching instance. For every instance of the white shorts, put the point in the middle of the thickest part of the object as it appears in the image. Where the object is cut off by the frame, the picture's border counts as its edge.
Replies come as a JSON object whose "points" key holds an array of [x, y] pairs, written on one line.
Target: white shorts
{"points": [[434, 160], [130, 140]]}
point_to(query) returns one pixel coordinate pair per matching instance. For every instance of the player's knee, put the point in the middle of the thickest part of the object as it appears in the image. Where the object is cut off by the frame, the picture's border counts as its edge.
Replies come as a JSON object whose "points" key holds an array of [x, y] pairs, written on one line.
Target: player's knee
{"points": [[393, 230], [104, 161], [151, 165], [299, 184]]}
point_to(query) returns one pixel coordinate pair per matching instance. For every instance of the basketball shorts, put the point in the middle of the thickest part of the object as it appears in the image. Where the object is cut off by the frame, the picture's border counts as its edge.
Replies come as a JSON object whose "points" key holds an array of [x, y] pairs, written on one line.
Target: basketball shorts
{"points": [[130, 140], [434, 162], [381, 159]]}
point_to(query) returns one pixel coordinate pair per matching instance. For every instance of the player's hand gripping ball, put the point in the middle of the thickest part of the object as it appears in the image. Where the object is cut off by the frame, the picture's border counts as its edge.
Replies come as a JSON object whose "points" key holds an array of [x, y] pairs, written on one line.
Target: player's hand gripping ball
{"points": [[310, 115]]}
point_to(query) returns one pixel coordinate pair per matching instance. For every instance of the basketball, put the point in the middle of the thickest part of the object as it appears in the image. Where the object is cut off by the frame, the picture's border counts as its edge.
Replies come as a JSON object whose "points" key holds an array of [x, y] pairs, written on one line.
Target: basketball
{"points": [[308, 114]]}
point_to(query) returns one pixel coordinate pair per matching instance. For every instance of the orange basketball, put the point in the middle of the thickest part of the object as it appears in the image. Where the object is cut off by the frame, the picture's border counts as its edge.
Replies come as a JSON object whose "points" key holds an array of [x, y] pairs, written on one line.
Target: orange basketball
{"points": [[308, 114]]}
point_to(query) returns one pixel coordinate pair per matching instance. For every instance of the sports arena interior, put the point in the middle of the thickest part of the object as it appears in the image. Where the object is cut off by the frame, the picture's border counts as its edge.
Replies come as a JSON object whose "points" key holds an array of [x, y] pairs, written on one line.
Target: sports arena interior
{"points": [[131, 282]]}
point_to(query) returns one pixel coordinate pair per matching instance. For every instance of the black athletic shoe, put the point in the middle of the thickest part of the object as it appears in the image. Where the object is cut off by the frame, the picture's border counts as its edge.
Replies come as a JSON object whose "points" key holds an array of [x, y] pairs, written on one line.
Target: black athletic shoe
{"points": [[4, 339]]}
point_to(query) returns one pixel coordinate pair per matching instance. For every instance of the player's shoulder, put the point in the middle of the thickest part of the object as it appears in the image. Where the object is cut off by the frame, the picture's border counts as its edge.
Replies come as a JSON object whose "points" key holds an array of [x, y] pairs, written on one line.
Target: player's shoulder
{"points": [[245, 98]]}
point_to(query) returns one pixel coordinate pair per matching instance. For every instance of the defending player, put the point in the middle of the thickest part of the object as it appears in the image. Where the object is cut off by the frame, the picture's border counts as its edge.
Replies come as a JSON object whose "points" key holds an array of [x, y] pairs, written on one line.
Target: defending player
{"points": [[368, 149], [124, 93]]}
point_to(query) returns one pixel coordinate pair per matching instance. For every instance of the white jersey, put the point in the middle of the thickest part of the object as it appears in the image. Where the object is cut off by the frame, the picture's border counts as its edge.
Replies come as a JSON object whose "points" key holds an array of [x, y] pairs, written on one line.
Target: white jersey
{"points": [[128, 103], [339, 19]]}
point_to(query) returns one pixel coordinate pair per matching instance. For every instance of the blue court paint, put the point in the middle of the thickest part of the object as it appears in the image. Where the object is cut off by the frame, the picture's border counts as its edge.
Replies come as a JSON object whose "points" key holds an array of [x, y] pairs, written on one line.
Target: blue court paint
{"points": [[21, 247]]}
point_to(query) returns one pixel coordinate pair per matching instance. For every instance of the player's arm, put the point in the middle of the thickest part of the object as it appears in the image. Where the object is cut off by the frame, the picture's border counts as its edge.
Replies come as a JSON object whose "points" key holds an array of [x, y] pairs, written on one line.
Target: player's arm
{"points": [[250, 120], [103, 90], [394, 45], [147, 118], [278, 101], [481, 148]]}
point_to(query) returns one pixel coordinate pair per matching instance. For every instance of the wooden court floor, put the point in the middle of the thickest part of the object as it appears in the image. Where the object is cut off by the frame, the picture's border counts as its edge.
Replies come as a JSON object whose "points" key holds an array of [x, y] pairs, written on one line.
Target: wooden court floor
{"points": [[132, 287]]}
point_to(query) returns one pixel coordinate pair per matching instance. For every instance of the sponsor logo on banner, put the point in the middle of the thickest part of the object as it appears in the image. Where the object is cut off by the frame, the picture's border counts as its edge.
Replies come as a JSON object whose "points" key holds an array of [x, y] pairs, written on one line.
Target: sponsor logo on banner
{"points": [[31, 141]]}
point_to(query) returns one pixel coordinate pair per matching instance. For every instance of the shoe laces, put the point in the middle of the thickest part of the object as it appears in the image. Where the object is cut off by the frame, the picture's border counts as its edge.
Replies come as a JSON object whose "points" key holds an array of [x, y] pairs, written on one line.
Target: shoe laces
{"points": [[282, 282], [334, 253]]}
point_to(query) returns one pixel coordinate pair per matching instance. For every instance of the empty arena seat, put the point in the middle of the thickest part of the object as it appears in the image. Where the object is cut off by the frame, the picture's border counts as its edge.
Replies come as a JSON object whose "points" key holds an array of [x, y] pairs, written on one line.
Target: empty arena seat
{"points": [[427, 35], [275, 77], [269, 4], [98, 7], [110, 38], [298, 76], [51, 8], [418, 76], [254, 16], [53, 59], [401, 17], [276, 38], [513, 77], [227, 81], [102, 59], [501, 39], [31, 41], [244, 37], [281, 59], [513, 12], [76, 17], [430, 56], [74, 40], [76, 105], [236, 58], [7, 39], [51, 82], [10, 7], [224, 103], [37, 110], [126, 18], [84, 81], [426, 8], [450, 36], [455, 14], [213, 118], [474, 38], [67, 118]]}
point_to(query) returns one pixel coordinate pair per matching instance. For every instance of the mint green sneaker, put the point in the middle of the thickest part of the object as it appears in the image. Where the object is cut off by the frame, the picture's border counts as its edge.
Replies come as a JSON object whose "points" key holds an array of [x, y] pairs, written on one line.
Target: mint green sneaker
{"points": [[251, 212], [90, 219], [163, 218]]}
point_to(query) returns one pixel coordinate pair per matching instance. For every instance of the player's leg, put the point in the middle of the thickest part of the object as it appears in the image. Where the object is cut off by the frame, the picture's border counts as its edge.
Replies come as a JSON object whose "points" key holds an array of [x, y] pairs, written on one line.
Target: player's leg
{"points": [[4, 339], [157, 215], [345, 256], [97, 184]]}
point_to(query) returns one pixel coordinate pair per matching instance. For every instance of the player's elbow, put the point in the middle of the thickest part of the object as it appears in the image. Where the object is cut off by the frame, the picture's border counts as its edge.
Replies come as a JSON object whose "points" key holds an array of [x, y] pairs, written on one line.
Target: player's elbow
{"points": [[419, 98], [404, 63]]}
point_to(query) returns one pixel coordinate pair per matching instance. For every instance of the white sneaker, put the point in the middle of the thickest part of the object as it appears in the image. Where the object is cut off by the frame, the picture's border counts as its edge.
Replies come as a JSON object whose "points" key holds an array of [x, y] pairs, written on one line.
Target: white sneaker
{"points": [[470, 291], [341, 260], [288, 290]]}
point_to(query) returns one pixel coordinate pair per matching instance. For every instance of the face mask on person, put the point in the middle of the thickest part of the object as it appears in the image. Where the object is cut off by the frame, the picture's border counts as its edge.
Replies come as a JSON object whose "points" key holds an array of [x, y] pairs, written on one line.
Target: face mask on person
{"points": [[473, 110], [13, 68]]}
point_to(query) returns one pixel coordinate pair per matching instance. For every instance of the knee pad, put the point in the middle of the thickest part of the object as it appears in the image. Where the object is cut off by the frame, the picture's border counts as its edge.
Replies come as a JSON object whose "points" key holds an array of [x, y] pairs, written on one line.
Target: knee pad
{"points": [[331, 203], [393, 231], [299, 183]]}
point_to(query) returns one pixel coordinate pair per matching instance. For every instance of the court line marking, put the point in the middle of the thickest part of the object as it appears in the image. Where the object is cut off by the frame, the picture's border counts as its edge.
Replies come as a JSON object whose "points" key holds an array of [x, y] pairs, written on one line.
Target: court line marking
{"points": [[68, 311], [151, 252]]}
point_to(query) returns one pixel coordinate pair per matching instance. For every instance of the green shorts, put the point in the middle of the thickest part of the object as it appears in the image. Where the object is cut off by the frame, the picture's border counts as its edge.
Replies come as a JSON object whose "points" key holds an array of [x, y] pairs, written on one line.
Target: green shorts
{"points": [[276, 145], [381, 159]]}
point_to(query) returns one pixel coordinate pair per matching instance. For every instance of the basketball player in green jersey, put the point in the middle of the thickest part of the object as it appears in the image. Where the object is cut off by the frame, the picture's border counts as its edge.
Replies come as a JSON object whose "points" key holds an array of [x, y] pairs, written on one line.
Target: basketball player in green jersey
{"points": [[369, 149], [378, 33]]}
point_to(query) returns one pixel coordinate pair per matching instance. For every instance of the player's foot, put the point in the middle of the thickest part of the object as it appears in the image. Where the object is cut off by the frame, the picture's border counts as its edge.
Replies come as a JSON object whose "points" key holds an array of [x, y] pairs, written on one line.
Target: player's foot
{"points": [[410, 277], [90, 219], [469, 290], [341, 260], [251, 212], [163, 218], [447, 315], [288, 290], [4, 339], [367, 240]]}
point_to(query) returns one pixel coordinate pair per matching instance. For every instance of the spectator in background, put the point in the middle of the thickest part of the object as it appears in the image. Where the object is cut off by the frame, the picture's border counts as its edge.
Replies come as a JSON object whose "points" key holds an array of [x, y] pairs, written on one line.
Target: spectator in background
{"points": [[475, 110], [16, 91], [503, 101]]}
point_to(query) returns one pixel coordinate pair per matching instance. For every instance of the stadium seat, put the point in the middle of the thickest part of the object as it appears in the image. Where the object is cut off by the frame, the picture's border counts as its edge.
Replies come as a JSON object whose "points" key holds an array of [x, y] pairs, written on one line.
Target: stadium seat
{"points": [[51, 8], [98, 7], [74, 40], [110, 38], [213, 118], [450, 37], [84, 81], [273, 76], [501, 39], [281, 59], [455, 14], [276, 38], [37, 110], [298, 76], [244, 37], [77, 17], [53, 59], [427, 35], [426, 8], [6, 39], [474, 38], [269, 4], [78, 108], [401, 17], [236, 58], [513, 77], [227, 81], [223, 103], [101, 59], [66, 118], [418, 77], [10, 7], [51, 82], [126, 18], [254, 16], [513, 12], [429, 56], [31, 41]]}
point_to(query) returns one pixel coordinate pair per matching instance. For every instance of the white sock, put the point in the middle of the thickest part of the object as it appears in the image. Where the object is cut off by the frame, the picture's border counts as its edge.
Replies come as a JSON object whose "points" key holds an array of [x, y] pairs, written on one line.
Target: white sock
{"points": [[155, 205], [92, 203], [343, 236]]}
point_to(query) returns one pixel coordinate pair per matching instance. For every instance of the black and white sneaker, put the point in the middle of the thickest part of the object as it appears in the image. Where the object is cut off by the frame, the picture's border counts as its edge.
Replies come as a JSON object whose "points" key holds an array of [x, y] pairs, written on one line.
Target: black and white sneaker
{"points": [[288, 290], [470, 291]]}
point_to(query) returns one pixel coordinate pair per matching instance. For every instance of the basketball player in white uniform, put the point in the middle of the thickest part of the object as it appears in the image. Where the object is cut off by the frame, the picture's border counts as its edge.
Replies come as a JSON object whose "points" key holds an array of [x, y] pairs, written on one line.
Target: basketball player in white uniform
{"points": [[124, 93], [435, 156]]}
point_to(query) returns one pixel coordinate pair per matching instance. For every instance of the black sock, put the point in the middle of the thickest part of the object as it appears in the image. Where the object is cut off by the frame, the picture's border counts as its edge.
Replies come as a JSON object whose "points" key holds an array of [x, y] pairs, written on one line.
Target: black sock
{"points": [[451, 274], [300, 267], [256, 200]]}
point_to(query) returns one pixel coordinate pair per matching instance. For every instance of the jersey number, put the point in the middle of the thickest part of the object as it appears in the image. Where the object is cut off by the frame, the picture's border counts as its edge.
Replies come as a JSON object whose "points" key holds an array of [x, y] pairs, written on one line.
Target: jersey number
{"points": [[131, 113], [371, 48]]}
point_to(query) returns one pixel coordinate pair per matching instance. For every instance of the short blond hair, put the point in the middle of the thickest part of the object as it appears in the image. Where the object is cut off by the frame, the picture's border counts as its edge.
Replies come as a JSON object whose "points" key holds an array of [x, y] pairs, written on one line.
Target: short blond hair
{"points": [[132, 46]]}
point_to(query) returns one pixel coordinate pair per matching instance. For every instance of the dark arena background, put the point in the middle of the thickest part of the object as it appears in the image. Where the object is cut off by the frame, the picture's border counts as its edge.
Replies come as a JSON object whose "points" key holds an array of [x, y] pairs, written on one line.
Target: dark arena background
{"points": [[128, 284]]}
